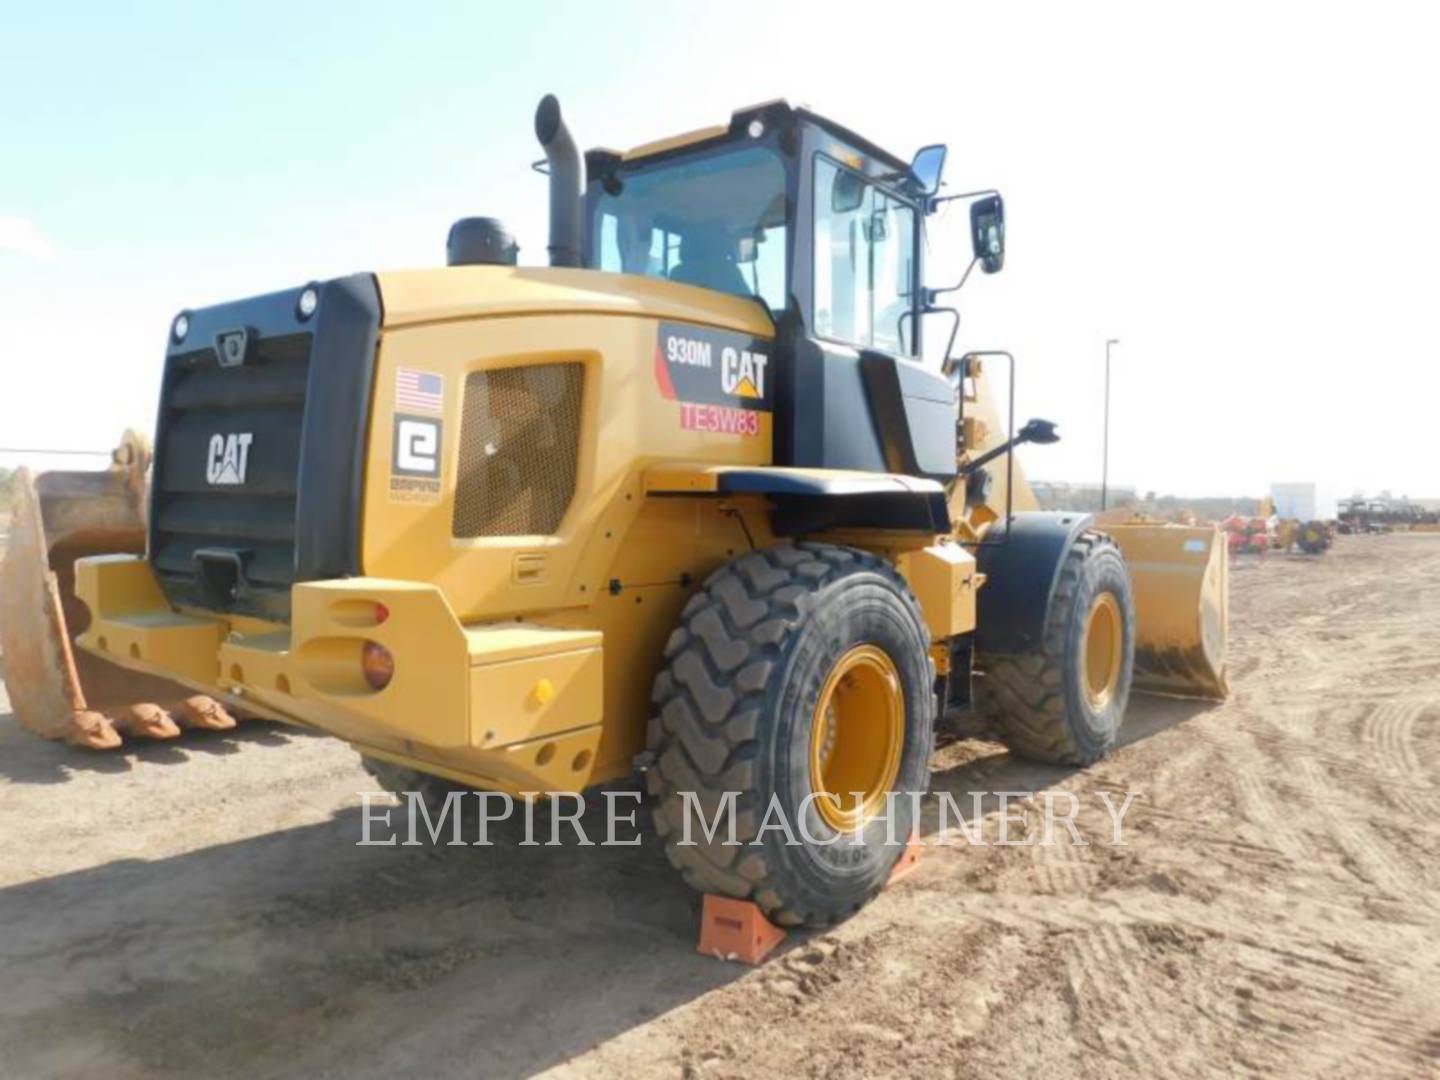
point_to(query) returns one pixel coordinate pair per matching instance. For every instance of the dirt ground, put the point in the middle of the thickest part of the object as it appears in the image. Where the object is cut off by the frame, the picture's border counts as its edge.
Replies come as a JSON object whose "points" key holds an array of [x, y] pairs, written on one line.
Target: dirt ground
{"points": [[201, 908]]}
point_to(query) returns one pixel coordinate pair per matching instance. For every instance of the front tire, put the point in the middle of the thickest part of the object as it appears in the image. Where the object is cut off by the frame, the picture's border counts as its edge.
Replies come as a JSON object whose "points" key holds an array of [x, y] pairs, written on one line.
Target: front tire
{"points": [[794, 671], [1063, 703]]}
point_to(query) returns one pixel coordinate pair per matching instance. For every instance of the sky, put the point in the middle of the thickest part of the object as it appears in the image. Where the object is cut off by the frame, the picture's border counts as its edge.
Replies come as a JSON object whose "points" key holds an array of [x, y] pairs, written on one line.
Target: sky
{"points": [[1247, 195]]}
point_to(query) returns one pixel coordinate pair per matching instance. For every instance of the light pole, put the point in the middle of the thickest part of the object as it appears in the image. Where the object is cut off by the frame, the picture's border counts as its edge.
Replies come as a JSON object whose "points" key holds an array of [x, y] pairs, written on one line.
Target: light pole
{"points": [[1105, 460]]}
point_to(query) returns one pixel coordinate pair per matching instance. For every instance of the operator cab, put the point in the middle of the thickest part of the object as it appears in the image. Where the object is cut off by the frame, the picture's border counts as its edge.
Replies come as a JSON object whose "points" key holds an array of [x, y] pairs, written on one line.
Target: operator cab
{"points": [[781, 205], [823, 228]]}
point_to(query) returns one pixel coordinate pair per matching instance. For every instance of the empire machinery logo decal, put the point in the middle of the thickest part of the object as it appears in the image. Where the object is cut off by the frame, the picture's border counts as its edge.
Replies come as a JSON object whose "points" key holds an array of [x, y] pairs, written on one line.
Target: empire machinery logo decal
{"points": [[415, 445], [720, 379]]}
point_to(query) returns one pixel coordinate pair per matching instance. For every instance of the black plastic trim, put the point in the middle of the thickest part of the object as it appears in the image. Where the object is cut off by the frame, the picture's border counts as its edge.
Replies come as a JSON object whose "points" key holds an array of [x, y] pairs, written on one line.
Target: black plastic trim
{"points": [[766, 481], [337, 414], [1021, 564], [824, 418], [804, 503], [916, 414]]}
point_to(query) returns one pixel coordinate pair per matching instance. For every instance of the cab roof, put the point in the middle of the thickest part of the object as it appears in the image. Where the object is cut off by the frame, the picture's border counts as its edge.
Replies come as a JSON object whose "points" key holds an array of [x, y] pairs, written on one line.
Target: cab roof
{"points": [[769, 113]]}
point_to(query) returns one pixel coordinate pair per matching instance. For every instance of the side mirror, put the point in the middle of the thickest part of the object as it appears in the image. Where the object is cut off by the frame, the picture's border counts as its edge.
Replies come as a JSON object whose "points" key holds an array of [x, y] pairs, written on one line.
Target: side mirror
{"points": [[927, 167], [847, 192], [987, 232], [1038, 431]]}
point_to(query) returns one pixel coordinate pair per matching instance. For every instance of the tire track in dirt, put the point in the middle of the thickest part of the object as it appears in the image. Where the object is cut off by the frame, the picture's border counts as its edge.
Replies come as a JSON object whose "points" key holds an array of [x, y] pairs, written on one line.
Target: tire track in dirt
{"points": [[1388, 730], [1291, 765], [1324, 1016], [1058, 872], [1390, 727], [1107, 994], [1368, 855], [1250, 772]]}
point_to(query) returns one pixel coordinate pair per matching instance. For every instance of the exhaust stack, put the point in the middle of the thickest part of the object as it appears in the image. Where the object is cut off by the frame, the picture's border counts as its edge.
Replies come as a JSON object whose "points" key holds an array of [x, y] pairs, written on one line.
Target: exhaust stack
{"points": [[565, 182]]}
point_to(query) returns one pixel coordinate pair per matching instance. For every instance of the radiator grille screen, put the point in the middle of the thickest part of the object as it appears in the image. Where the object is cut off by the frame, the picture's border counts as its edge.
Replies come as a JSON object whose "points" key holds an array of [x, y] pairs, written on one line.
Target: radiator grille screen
{"points": [[519, 440], [254, 509]]}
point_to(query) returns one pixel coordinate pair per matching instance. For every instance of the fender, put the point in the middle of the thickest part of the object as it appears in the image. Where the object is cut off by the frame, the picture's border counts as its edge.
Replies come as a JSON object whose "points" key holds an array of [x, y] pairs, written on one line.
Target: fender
{"points": [[813, 500], [1021, 564]]}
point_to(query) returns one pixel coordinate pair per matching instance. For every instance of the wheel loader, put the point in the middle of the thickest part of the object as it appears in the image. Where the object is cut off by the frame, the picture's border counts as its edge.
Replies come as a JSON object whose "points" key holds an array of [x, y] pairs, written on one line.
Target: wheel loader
{"points": [[688, 499]]}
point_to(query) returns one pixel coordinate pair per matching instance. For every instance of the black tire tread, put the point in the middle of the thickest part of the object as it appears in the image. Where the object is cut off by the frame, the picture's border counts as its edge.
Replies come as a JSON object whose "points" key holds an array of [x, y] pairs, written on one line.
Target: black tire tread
{"points": [[1024, 696], [708, 702]]}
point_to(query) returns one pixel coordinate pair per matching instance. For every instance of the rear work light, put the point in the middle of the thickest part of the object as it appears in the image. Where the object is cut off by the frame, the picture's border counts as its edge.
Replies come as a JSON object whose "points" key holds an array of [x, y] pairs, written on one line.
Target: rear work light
{"points": [[377, 664]]}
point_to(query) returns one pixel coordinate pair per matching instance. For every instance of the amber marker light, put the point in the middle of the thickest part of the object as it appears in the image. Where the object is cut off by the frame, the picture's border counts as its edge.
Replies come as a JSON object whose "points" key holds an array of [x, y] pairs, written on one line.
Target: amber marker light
{"points": [[378, 665]]}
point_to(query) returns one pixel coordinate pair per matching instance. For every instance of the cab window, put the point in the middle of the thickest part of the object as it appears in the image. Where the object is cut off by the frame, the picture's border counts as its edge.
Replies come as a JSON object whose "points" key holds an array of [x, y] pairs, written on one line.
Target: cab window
{"points": [[717, 222], [864, 262]]}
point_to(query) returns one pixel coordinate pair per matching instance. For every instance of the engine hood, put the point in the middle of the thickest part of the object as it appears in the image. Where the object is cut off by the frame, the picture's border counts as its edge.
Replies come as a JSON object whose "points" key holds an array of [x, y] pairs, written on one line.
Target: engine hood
{"points": [[411, 297]]}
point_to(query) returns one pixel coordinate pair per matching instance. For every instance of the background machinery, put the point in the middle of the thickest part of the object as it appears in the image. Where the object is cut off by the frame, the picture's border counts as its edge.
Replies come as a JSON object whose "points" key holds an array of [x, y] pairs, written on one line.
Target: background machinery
{"points": [[1314, 537], [1386, 514], [690, 498], [1275, 528], [1249, 535]]}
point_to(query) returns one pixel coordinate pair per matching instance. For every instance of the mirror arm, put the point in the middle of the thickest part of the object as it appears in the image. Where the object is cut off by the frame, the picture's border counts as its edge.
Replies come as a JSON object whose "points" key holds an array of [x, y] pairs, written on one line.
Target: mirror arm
{"points": [[1035, 431], [978, 463], [930, 309], [932, 204], [931, 295]]}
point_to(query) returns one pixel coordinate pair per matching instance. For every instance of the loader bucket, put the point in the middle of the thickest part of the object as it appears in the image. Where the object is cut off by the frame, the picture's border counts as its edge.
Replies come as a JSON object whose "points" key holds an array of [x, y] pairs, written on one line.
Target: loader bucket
{"points": [[1180, 576], [55, 690]]}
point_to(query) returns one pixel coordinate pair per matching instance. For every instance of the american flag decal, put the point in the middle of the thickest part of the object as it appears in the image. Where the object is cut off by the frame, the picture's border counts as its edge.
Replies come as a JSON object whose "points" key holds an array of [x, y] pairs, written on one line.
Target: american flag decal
{"points": [[419, 391]]}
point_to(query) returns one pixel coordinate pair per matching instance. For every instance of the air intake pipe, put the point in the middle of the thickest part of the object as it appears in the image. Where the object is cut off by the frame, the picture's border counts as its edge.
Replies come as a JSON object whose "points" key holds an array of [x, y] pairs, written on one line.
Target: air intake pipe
{"points": [[565, 182]]}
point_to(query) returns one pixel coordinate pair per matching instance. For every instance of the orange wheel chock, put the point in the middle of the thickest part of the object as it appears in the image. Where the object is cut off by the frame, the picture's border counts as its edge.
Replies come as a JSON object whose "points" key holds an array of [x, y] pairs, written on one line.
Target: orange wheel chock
{"points": [[733, 929], [909, 860]]}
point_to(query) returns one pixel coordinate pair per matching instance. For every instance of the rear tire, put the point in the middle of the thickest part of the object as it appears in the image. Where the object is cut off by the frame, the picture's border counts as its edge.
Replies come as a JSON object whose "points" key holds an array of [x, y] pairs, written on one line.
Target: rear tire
{"points": [[1064, 702], [792, 669]]}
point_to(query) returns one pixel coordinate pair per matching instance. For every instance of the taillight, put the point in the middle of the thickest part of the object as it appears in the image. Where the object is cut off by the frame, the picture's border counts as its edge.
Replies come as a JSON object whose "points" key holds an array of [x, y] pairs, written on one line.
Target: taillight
{"points": [[378, 665], [381, 613]]}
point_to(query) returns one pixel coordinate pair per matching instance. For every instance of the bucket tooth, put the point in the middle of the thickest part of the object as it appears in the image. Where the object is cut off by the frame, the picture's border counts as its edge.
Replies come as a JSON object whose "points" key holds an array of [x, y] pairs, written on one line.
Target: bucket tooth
{"points": [[55, 690], [146, 721], [92, 731], [205, 713]]}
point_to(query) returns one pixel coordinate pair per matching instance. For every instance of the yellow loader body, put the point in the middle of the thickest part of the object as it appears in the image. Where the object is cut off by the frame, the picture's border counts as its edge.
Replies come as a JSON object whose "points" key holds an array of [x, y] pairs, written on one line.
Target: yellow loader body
{"points": [[520, 662], [525, 662]]}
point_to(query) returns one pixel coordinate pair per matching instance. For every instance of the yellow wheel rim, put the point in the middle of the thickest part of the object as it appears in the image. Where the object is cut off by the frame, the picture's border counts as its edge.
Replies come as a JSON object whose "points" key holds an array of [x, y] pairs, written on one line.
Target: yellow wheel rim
{"points": [[1104, 649], [856, 737]]}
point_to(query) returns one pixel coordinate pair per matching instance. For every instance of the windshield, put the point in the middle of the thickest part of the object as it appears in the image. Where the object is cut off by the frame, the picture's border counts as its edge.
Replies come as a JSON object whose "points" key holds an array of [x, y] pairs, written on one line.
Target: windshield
{"points": [[717, 222]]}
